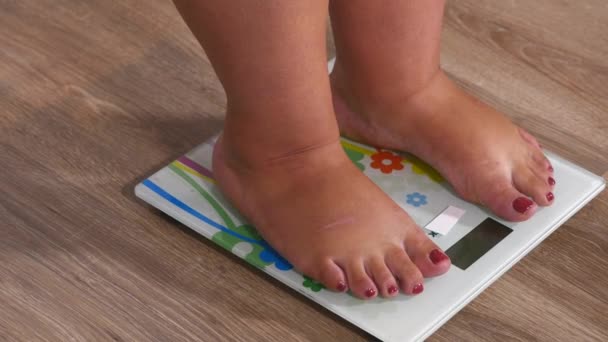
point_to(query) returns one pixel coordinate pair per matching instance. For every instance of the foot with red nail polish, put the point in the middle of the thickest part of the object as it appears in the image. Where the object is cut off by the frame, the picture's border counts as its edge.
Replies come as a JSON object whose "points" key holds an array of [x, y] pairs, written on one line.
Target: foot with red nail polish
{"points": [[304, 205], [486, 158]]}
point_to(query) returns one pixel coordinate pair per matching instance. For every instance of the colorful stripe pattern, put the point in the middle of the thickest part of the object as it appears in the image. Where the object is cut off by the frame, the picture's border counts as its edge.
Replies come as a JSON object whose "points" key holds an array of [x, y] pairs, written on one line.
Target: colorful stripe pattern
{"points": [[229, 234]]}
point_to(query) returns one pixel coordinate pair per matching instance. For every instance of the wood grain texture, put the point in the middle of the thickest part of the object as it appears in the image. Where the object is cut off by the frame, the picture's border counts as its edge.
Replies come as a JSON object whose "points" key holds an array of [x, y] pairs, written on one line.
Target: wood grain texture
{"points": [[96, 94]]}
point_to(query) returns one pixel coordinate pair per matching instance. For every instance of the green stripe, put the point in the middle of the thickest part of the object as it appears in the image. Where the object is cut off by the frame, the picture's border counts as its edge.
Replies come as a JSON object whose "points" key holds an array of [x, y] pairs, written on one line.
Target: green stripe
{"points": [[216, 206]]}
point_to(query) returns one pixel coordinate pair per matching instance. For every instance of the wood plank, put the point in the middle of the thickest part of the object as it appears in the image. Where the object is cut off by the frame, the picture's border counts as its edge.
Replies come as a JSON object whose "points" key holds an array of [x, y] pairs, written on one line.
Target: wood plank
{"points": [[95, 94]]}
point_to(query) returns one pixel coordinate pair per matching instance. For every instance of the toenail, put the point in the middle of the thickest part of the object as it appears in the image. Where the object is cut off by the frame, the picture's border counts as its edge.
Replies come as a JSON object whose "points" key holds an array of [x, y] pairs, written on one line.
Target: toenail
{"points": [[550, 196], [550, 168], [392, 289], [437, 256], [522, 204], [370, 293], [417, 289], [341, 286], [551, 181]]}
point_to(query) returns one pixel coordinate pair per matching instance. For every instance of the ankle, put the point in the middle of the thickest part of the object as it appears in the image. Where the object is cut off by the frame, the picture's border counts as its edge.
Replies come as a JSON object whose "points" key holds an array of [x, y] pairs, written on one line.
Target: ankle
{"points": [[376, 95], [247, 153]]}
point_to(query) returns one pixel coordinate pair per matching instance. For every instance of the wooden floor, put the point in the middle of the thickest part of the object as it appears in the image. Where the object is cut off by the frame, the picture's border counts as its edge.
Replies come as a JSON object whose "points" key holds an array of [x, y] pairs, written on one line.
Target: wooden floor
{"points": [[96, 94]]}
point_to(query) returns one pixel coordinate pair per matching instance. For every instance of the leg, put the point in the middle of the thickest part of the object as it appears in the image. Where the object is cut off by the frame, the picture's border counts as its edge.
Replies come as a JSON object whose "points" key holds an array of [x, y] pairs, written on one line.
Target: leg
{"points": [[279, 160], [390, 91]]}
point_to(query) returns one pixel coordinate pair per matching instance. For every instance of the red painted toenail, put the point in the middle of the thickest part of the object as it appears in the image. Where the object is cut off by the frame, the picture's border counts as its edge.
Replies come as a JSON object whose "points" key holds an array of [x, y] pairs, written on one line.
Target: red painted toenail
{"points": [[550, 168], [341, 286], [392, 289], [437, 256], [551, 181], [550, 196], [417, 289], [370, 293], [522, 204]]}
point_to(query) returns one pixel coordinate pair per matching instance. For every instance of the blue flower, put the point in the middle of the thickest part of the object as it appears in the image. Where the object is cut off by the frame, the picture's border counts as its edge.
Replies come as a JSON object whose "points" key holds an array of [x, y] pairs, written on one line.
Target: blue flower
{"points": [[271, 256], [416, 199]]}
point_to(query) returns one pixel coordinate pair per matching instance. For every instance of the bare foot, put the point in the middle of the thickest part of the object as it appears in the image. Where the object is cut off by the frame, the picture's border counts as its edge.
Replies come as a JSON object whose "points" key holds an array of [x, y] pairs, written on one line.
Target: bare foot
{"points": [[486, 158], [329, 220]]}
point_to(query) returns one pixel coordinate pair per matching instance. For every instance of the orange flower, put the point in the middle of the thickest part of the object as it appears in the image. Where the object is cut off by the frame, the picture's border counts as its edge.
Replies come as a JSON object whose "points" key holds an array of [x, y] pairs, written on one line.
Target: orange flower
{"points": [[386, 161]]}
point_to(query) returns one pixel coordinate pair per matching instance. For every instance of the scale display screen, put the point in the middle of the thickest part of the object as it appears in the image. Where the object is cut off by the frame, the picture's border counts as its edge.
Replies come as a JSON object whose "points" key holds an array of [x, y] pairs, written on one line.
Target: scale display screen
{"points": [[477, 243]]}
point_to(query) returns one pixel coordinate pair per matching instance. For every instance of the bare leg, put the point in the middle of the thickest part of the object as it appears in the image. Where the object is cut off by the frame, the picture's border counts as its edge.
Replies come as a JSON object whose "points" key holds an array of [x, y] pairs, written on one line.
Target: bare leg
{"points": [[389, 91], [279, 160]]}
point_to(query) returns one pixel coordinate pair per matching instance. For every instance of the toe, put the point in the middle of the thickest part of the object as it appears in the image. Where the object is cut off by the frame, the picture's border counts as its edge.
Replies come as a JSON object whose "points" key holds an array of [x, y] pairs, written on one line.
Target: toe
{"points": [[384, 279], [529, 138], [549, 174], [533, 185], [405, 271], [542, 168], [507, 202], [542, 163], [359, 282], [332, 276], [426, 255]]}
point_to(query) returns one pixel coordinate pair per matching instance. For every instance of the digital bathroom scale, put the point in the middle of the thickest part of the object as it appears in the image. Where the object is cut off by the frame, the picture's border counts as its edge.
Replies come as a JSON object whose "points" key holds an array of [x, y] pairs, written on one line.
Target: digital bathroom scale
{"points": [[481, 246]]}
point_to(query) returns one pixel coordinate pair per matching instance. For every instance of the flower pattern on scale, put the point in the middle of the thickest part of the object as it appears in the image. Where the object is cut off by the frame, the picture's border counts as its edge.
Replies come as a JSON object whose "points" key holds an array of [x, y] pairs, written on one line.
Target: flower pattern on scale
{"points": [[416, 199], [312, 284], [386, 161]]}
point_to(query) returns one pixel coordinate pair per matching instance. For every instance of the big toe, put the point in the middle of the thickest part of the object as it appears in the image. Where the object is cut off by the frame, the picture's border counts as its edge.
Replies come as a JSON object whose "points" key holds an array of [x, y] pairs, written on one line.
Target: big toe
{"points": [[427, 256], [507, 202]]}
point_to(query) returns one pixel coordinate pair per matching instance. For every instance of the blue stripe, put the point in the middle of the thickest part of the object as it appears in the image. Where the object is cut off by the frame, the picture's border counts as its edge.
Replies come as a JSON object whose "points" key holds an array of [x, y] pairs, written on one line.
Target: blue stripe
{"points": [[161, 192]]}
